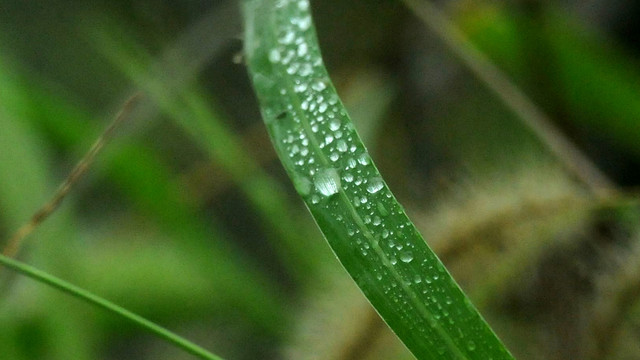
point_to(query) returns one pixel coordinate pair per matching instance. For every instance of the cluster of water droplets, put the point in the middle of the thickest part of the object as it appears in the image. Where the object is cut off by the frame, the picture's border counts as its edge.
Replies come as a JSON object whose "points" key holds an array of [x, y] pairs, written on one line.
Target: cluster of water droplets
{"points": [[322, 145], [330, 168]]}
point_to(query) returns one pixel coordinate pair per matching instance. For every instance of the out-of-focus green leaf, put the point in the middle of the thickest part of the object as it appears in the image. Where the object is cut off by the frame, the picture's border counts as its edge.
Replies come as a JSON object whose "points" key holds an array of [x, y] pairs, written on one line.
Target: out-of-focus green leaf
{"points": [[25, 184], [595, 82], [141, 176], [198, 117]]}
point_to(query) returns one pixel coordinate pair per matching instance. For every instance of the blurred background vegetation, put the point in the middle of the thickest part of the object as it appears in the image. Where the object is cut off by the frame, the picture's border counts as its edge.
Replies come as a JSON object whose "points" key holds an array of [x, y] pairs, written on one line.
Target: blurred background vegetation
{"points": [[187, 218]]}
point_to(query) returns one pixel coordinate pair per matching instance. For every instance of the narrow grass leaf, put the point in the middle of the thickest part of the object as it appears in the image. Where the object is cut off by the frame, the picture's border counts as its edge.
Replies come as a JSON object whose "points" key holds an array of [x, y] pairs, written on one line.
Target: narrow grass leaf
{"points": [[196, 114], [148, 183], [594, 80], [333, 172], [107, 305], [25, 183]]}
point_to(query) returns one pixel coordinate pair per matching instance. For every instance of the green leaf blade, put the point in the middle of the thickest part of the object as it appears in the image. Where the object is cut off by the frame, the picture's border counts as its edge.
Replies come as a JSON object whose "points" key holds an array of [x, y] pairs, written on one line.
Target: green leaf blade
{"points": [[331, 169]]}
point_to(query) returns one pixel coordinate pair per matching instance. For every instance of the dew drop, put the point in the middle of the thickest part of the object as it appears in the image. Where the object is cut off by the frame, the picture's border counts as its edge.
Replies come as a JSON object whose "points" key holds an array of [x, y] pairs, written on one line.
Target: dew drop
{"points": [[471, 345], [341, 146], [274, 55], [334, 124], [303, 5], [304, 23], [374, 185], [319, 85], [302, 49], [363, 159], [448, 301], [288, 37], [328, 139], [406, 257], [327, 181], [306, 70], [292, 69]]}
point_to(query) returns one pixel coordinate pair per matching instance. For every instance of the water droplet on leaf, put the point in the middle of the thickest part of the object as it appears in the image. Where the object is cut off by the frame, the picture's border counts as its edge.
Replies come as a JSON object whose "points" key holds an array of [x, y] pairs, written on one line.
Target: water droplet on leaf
{"points": [[374, 185], [363, 159], [327, 181], [302, 185], [341, 146], [471, 345], [274, 55], [334, 124], [406, 256]]}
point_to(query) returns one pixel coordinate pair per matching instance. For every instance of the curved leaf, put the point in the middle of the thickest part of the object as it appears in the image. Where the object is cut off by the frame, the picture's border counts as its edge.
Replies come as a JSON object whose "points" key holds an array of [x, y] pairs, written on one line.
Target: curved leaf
{"points": [[333, 172]]}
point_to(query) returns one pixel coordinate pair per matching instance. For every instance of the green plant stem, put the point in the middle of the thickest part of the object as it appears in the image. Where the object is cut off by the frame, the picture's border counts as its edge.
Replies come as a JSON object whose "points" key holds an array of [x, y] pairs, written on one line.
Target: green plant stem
{"points": [[14, 243], [91, 298]]}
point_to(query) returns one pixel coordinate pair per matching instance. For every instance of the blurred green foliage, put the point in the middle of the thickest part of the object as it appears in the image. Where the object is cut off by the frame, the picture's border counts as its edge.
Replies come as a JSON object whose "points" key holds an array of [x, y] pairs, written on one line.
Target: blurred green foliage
{"points": [[188, 219]]}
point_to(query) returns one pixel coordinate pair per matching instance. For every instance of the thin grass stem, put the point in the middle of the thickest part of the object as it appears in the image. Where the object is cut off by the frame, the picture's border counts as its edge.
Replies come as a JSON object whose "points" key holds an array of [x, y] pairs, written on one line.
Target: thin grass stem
{"points": [[98, 301], [15, 241]]}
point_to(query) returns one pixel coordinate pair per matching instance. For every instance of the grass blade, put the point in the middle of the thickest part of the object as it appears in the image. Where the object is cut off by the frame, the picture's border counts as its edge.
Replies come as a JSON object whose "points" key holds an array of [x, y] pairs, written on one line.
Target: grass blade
{"points": [[107, 305], [331, 169], [13, 244]]}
